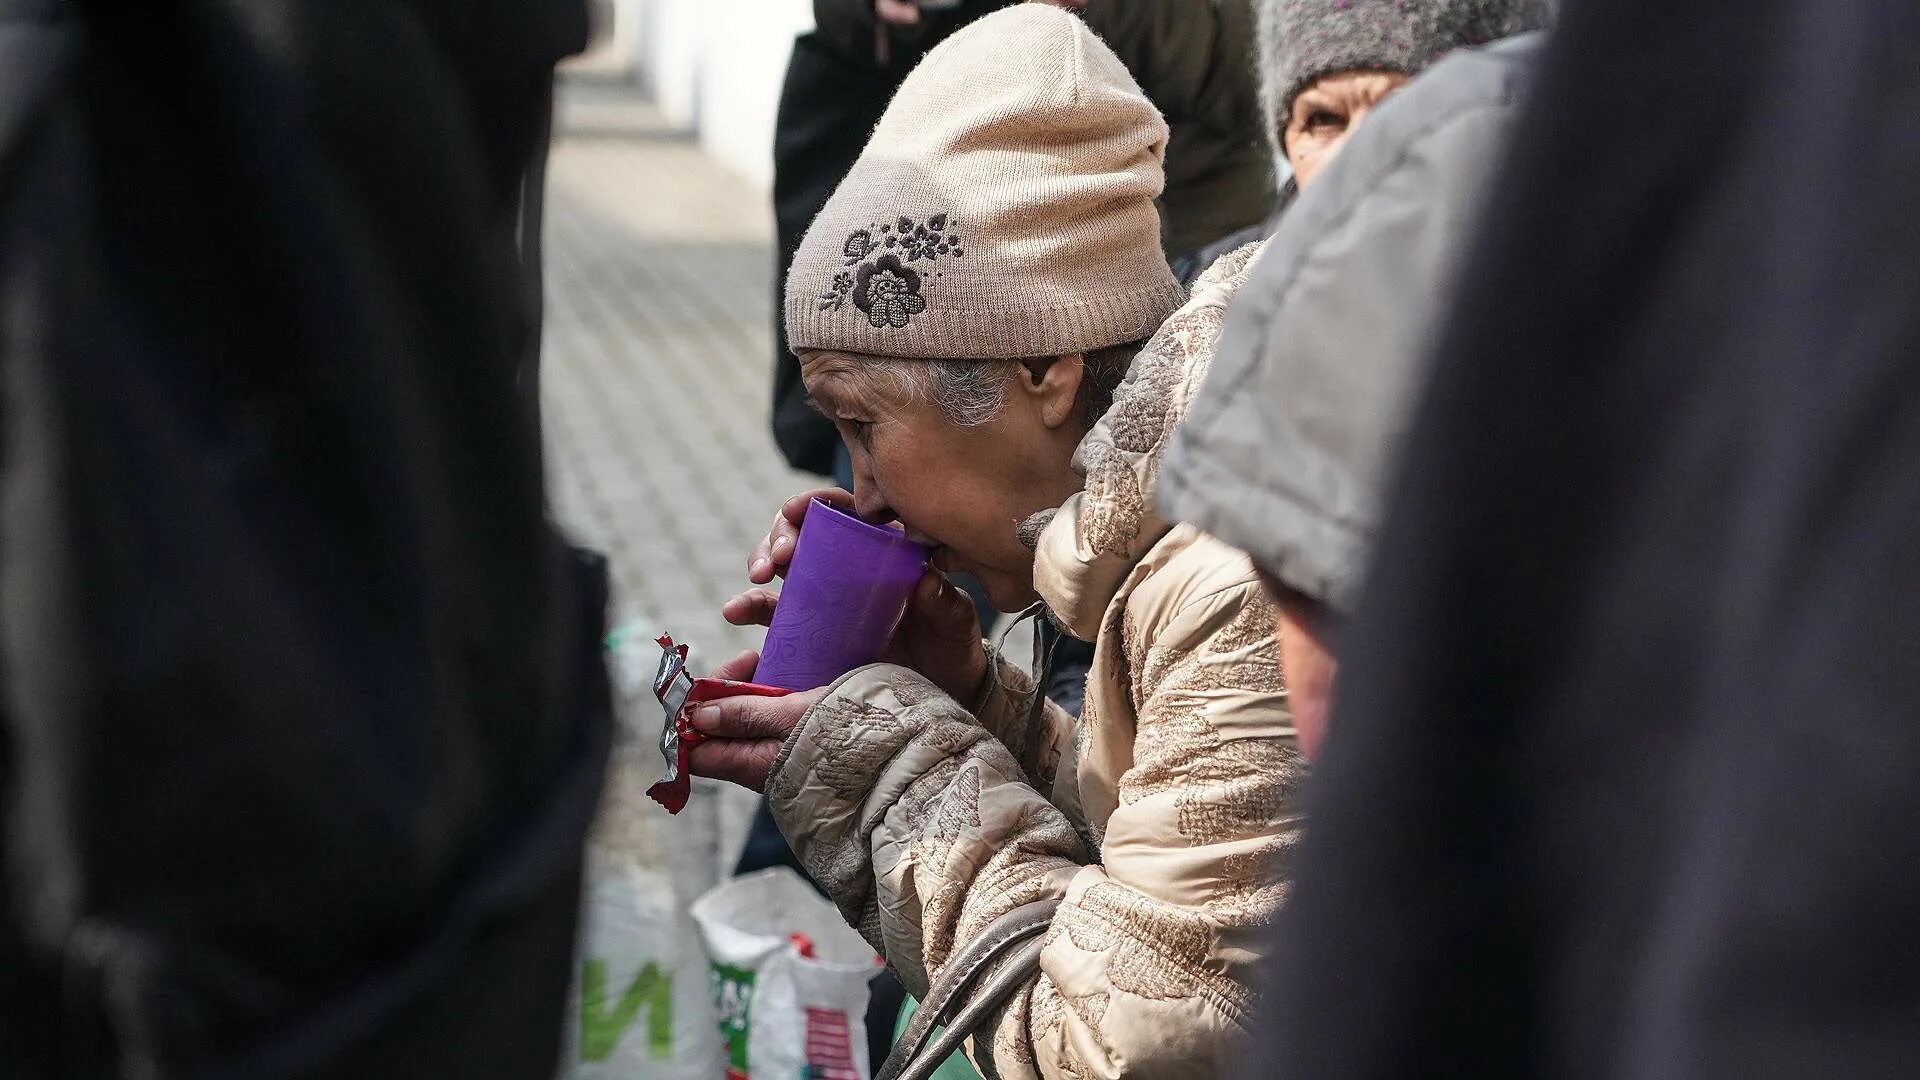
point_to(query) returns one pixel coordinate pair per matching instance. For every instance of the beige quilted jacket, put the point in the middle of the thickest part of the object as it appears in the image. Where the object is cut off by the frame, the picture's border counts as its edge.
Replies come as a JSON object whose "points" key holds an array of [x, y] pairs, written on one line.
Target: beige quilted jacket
{"points": [[1164, 817]]}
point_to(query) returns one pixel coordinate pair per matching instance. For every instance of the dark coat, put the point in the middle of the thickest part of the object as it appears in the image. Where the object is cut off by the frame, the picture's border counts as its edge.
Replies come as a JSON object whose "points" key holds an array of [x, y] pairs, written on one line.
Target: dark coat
{"points": [[304, 719], [1621, 778], [838, 82], [1195, 59]]}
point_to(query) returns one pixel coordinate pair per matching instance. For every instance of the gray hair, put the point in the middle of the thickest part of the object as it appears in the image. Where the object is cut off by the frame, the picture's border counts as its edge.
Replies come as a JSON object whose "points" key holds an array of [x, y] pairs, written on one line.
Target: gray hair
{"points": [[970, 393]]}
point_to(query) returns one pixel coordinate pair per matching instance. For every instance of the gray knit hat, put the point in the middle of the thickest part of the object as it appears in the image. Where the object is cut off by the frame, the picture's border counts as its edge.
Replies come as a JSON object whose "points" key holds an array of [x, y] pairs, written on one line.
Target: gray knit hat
{"points": [[1304, 40]]}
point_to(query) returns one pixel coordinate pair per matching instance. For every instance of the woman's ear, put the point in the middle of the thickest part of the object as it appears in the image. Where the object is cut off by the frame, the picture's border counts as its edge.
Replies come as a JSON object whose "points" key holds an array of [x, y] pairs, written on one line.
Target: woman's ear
{"points": [[1054, 384]]}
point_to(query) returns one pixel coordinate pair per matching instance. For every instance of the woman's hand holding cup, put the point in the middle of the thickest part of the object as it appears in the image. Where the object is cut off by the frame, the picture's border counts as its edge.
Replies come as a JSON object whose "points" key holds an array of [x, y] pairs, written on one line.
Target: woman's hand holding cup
{"points": [[939, 636], [771, 557]]}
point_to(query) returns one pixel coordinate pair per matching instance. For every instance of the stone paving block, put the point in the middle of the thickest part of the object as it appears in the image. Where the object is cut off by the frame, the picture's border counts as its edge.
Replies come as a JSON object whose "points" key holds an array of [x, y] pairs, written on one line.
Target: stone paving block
{"points": [[655, 385]]}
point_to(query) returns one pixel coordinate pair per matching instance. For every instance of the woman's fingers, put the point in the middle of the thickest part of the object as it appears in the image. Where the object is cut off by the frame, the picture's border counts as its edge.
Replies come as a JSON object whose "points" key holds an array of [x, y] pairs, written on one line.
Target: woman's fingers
{"points": [[780, 545], [769, 559], [744, 735], [747, 717], [940, 637], [751, 608], [794, 510], [737, 761], [942, 610], [760, 568]]}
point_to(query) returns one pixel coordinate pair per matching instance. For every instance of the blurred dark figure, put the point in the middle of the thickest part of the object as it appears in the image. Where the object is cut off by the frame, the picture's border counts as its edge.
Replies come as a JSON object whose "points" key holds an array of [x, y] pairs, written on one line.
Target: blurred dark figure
{"points": [[1621, 778], [304, 719], [839, 80]]}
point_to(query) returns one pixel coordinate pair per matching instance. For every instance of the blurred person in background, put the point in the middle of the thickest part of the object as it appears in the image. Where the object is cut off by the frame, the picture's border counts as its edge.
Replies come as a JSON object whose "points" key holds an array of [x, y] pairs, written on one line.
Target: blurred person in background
{"points": [[1287, 452], [1004, 208], [1325, 65], [304, 716], [1620, 782]]}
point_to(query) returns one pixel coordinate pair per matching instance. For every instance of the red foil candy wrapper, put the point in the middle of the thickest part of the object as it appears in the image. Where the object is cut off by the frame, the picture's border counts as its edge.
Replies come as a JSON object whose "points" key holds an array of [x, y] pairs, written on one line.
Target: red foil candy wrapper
{"points": [[678, 693]]}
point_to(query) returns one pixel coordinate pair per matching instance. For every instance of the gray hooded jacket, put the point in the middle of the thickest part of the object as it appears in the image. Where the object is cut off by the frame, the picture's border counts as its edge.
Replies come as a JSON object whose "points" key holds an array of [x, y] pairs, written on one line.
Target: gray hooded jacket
{"points": [[1286, 449]]}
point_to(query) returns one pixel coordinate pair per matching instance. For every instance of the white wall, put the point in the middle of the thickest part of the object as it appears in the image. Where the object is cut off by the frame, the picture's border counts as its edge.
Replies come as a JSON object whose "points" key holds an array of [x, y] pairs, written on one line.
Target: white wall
{"points": [[715, 67]]}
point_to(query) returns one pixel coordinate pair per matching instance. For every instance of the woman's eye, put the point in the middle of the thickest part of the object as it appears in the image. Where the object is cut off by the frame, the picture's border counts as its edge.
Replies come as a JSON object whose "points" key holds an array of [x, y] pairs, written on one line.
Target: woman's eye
{"points": [[1321, 120], [859, 428]]}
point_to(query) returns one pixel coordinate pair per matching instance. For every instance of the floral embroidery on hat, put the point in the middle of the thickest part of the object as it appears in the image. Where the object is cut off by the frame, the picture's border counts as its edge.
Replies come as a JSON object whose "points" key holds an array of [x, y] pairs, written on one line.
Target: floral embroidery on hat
{"points": [[836, 297], [888, 292], [884, 287], [858, 246]]}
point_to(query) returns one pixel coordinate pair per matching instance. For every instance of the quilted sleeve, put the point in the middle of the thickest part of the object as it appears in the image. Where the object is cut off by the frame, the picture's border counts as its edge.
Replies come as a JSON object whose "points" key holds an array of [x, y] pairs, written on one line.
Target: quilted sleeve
{"points": [[924, 829]]}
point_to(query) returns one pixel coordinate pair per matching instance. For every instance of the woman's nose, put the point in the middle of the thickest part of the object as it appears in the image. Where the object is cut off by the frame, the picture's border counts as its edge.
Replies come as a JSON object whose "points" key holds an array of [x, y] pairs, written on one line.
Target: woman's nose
{"points": [[868, 503]]}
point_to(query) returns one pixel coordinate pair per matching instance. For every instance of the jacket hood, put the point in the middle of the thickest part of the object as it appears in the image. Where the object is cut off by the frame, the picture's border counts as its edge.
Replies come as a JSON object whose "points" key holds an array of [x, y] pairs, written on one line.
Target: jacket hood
{"points": [[1290, 449], [1086, 549]]}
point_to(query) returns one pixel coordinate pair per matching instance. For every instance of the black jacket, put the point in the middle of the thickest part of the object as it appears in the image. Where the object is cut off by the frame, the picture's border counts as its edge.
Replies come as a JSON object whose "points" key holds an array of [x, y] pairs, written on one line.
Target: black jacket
{"points": [[1621, 778], [838, 82], [303, 715]]}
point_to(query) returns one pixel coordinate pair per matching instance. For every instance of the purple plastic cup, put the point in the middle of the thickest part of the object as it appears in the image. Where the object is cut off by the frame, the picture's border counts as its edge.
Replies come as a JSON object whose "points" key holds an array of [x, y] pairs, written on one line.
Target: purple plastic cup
{"points": [[847, 587]]}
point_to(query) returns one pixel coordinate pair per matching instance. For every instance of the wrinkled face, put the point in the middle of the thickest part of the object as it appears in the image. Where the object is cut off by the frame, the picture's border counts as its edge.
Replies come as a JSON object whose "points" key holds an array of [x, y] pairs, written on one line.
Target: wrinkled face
{"points": [[962, 491], [1326, 112]]}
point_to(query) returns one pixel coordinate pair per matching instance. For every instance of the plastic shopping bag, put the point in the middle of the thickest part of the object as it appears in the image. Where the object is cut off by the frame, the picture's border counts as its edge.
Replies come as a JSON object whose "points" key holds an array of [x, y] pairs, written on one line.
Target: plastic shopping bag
{"points": [[789, 977], [640, 1006]]}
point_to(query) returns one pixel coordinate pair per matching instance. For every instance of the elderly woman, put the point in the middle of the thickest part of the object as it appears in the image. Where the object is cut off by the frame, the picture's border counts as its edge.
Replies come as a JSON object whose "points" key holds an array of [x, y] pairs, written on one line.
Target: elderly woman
{"points": [[1004, 208]]}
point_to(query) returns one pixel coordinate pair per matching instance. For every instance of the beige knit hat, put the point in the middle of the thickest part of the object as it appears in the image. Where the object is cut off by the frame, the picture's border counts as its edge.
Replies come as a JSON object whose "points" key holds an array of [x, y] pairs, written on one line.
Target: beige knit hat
{"points": [[1003, 208]]}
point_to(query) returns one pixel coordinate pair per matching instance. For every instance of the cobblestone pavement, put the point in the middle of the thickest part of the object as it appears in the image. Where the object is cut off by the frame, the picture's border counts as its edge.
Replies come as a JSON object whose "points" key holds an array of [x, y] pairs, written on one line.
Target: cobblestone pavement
{"points": [[655, 386]]}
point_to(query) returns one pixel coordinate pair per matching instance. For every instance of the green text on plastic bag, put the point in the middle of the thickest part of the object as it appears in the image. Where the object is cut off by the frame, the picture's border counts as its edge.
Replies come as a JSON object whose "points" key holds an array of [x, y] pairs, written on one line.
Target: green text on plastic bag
{"points": [[601, 1027], [733, 995]]}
